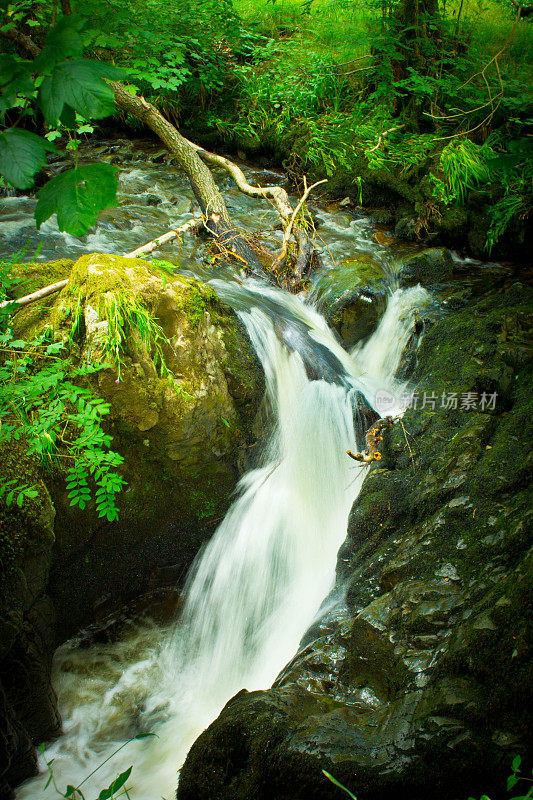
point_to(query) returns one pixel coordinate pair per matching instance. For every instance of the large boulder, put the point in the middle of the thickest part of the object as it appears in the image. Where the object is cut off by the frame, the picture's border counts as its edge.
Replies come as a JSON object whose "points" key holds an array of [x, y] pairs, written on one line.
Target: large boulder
{"points": [[421, 685], [183, 385]]}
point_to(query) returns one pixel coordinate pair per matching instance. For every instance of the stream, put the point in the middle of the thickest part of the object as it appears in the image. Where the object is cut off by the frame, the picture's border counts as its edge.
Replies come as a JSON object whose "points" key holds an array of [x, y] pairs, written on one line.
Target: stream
{"points": [[266, 575]]}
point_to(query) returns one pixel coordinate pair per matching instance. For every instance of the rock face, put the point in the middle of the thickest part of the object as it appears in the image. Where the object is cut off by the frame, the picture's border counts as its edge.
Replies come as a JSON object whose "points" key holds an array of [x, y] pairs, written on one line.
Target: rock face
{"points": [[27, 703], [421, 684], [183, 397]]}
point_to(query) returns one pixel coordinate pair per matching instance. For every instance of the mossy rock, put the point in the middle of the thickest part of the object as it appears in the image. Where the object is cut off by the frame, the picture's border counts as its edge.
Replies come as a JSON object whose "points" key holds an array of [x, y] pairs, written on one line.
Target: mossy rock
{"points": [[183, 386], [355, 312], [429, 267]]}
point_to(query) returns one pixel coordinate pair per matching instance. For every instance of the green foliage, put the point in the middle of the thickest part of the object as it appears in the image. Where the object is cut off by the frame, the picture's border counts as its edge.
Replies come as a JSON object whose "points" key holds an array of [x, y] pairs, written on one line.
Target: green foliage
{"points": [[127, 318], [177, 55], [76, 196], [13, 491], [22, 155], [60, 84], [512, 780], [464, 166], [44, 400]]}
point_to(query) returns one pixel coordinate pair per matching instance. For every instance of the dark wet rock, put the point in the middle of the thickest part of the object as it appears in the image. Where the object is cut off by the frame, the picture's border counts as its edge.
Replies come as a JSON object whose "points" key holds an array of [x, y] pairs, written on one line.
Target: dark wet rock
{"points": [[405, 229], [428, 267], [28, 708], [382, 216], [355, 313], [421, 683]]}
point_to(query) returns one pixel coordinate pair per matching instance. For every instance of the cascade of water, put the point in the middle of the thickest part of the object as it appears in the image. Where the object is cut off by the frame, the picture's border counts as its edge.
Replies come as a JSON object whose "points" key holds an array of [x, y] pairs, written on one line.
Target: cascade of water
{"points": [[258, 584]]}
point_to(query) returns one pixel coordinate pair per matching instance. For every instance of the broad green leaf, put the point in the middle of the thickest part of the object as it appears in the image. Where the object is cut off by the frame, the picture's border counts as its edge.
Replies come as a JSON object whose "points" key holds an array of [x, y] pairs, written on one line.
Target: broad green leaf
{"points": [[512, 780], [9, 67], [78, 83], [76, 196], [63, 41], [22, 86], [119, 782], [22, 154], [517, 760]]}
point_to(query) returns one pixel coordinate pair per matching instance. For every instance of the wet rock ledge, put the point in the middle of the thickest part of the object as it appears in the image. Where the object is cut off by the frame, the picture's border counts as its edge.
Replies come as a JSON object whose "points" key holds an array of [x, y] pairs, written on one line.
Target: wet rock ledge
{"points": [[421, 684], [184, 433]]}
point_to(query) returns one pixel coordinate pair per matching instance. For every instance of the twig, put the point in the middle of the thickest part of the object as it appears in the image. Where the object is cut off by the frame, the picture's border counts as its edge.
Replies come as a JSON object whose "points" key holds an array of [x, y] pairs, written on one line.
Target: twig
{"points": [[288, 230], [192, 224], [174, 233], [383, 135], [407, 442]]}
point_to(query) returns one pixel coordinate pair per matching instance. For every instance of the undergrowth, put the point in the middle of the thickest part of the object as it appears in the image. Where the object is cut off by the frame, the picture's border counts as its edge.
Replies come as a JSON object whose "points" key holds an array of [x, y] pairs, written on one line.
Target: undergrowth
{"points": [[46, 401]]}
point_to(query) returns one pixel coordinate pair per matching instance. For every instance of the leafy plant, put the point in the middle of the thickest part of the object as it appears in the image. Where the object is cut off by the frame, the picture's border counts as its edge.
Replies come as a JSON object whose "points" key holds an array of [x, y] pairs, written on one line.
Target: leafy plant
{"points": [[117, 787], [43, 401], [61, 84], [512, 780], [16, 492]]}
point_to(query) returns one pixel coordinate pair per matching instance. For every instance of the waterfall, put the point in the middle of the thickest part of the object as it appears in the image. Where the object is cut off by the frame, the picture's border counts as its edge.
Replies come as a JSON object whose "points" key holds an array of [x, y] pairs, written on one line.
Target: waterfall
{"points": [[256, 587]]}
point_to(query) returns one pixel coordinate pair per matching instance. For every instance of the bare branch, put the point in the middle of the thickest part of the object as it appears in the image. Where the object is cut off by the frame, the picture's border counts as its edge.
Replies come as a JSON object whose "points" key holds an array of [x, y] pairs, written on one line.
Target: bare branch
{"points": [[191, 225], [39, 294], [383, 135], [289, 228]]}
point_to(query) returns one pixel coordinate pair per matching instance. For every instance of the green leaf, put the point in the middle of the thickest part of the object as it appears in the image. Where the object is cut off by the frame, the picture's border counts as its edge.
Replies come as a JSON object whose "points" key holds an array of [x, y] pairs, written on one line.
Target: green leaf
{"points": [[512, 780], [336, 782], [76, 196], [78, 83], [517, 760], [22, 154], [119, 782], [63, 41], [9, 67]]}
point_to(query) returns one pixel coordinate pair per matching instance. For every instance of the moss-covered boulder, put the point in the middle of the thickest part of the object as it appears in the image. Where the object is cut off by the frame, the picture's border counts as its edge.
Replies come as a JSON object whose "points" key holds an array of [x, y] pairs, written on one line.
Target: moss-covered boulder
{"points": [[355, 311], [183, 385], [429, 267], [421, 684]]}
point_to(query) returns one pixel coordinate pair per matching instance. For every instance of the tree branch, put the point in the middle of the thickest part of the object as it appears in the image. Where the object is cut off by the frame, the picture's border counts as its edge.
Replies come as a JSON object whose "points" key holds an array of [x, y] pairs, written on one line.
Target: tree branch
{"points": [[149, 247]]}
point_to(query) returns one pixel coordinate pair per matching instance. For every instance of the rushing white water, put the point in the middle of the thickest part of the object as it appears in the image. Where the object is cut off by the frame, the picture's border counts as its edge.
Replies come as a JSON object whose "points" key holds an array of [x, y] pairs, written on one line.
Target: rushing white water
{"points": [[258, 584]]}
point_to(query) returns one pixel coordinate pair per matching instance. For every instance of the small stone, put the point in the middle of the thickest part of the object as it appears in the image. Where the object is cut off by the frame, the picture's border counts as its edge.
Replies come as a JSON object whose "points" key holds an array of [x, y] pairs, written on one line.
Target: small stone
{"points": [[344, 203], [448, 572]]}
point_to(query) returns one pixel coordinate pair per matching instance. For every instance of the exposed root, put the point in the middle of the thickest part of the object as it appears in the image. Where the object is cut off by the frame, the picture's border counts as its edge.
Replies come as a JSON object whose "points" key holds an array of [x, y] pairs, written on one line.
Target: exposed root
{"points": [[373, 441]]}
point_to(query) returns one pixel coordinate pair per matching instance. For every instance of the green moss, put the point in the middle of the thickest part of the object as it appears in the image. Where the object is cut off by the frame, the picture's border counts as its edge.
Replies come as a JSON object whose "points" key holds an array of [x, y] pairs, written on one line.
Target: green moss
{"points": [[196, 301], [36, 275]]}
